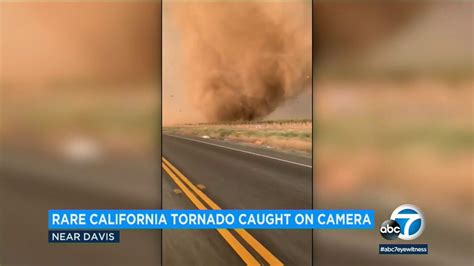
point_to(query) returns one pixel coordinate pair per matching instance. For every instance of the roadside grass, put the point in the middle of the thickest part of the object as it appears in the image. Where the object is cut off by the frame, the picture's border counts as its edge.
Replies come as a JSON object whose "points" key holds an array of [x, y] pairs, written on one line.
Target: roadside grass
{"points": [[373, 135], [391, 136], [288, 135], [121, 120]]}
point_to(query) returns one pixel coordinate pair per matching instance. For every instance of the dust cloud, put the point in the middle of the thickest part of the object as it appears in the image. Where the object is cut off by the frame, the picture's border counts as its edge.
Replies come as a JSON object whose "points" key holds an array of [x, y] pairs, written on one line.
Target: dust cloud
{"points": [[242, 60]]}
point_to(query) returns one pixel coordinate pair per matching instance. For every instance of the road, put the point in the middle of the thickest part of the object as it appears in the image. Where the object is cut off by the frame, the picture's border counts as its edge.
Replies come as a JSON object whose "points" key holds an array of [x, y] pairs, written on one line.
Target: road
{"points": [[231, 176], [33, 182]]}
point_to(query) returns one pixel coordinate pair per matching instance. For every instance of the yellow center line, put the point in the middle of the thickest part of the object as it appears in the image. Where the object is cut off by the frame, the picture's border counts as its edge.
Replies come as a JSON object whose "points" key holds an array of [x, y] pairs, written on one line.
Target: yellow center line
{"points": [[186, 191], [248, 258], [254, 243]]}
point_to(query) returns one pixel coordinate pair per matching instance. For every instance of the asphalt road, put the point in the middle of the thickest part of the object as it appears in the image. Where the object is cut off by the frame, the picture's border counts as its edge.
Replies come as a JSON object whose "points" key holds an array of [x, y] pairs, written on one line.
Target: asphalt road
{"points": [[31, 183], [236, 177]]}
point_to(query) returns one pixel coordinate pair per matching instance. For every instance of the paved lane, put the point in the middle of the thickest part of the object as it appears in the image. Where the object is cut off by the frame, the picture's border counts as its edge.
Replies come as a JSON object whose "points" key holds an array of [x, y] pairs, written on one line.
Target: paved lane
{"points": [[31, 184], [240, 177]]}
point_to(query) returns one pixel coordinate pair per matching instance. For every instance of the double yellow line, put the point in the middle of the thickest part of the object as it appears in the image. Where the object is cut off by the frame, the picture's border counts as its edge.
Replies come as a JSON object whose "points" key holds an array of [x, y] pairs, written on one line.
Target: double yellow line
{"points": [[188, 188]]}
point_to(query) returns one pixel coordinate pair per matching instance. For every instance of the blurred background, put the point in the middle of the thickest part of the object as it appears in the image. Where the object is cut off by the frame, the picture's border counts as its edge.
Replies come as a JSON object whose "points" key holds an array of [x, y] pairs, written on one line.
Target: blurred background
{"points": [[79, 120], [393, 84]]}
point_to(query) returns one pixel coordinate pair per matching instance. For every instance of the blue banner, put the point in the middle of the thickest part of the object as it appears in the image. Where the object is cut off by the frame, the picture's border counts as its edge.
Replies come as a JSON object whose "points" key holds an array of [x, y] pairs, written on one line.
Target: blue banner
{"points": [[211, 219]]}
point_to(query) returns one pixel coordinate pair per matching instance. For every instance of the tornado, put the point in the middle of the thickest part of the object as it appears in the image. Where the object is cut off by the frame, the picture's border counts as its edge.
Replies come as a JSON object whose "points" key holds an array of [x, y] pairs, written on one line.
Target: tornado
{"points": [[243, 59]]}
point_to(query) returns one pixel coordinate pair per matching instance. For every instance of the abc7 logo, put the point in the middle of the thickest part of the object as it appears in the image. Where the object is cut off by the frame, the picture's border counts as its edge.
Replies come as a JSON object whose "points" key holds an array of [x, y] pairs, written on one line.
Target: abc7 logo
{"points": [[406, 223]]}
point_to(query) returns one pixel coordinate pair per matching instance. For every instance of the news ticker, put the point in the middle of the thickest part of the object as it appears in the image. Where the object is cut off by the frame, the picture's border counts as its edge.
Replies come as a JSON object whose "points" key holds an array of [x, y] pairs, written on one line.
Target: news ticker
{"points": [[210, 219], [101, 226]]}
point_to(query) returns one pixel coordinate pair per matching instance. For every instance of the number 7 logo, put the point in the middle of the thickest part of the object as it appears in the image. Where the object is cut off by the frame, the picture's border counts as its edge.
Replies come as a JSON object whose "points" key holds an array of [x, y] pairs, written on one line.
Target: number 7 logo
{"points": [[411, 221]]}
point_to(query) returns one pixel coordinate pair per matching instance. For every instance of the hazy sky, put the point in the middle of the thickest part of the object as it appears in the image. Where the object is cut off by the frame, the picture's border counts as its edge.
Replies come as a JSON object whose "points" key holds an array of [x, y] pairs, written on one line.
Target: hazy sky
{"points": [[177, 107]]}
